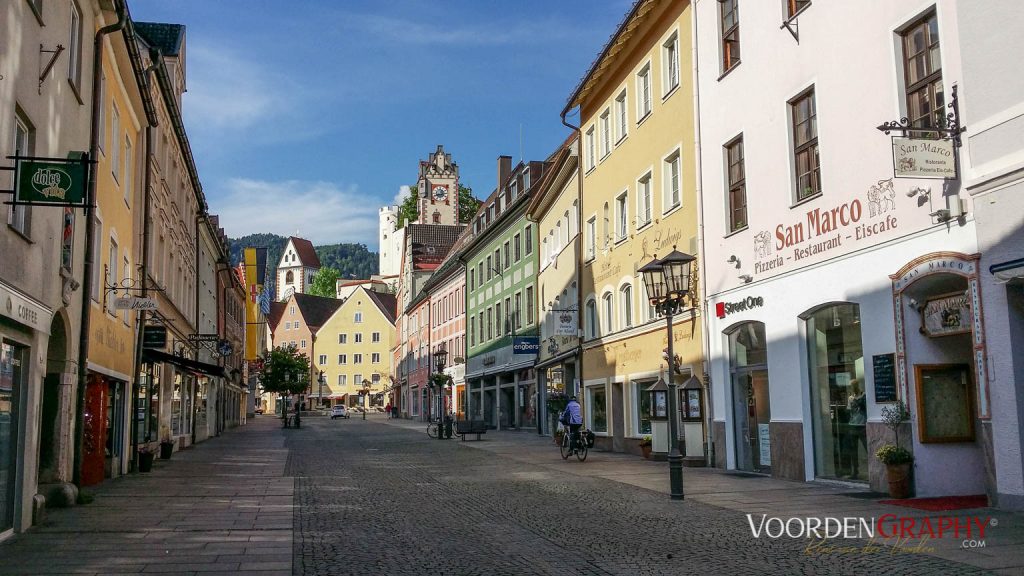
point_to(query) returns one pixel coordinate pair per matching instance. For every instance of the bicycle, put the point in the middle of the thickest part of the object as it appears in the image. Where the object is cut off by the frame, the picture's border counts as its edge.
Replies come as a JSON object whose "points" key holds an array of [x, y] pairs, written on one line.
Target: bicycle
{"points": [[581, 445], [434, 426]]}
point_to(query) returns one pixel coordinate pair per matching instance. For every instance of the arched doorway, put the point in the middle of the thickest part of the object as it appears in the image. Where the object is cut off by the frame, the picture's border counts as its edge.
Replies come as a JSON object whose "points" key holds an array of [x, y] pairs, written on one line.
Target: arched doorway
{"points": [[748, 368], [940, 355], [50, 425]]}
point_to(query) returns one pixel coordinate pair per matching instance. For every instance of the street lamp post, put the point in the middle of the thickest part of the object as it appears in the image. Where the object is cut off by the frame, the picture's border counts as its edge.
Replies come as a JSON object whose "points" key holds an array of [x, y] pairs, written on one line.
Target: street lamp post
{"points": [[668, 283], [365, 394], [440, 356], [320, 390]]}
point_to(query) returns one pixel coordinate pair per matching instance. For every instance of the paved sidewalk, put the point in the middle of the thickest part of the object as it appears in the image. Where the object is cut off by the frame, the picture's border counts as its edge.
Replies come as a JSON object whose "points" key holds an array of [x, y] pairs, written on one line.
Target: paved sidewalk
{"points": [[757, 494], [223, 506]]}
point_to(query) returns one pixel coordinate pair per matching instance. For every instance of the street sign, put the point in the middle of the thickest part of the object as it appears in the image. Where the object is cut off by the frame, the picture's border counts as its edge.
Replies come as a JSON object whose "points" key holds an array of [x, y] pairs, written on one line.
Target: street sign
{"points": [[134, 303], [154, 337]]}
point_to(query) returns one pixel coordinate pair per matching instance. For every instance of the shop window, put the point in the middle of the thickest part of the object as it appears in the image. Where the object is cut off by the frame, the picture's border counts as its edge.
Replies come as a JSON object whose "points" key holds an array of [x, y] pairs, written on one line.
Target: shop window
{"points": [[597, 408], [641, 408], [838, 402]]}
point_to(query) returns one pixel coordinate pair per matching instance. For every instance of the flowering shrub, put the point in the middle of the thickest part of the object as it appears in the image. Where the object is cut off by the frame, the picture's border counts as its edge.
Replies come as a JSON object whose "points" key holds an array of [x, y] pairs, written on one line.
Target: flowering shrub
{"points": [[646, 441], [557, 402], [891, 454]]}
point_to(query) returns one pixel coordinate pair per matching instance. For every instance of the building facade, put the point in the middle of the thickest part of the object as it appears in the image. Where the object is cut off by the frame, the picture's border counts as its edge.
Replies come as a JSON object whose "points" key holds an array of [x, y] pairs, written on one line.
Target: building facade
{"points": [[297, 323], [555, 210], [993, 164], [855, 282], [638, 171], [501, 278], [354, 346], [447, 295]]}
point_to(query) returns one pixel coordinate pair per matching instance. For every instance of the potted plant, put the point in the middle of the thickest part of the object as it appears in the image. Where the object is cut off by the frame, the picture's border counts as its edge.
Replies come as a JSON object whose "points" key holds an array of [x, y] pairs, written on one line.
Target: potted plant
{"points": [[166, 448], [146, 455], [559, 432], [897, 460], [645, 446]]}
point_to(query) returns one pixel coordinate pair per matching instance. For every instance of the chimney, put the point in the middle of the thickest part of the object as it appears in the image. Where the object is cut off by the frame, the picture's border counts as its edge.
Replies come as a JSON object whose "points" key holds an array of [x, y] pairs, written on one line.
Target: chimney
{"points": [[504, 169]]}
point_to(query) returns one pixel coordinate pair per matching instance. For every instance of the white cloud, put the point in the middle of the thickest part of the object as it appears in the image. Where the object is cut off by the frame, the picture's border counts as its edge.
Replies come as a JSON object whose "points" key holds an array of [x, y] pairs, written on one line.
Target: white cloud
{"points": [[403, 193], [322, 212], [492, 33], [229, 92]]}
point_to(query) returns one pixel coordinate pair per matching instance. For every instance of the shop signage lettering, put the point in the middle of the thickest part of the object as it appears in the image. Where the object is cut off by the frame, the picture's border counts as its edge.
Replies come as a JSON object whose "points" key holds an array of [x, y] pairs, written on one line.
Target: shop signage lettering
{"points": [[154, 337], [50, 182], [955, 265], [920, 158], [23, 311], [946, 315], [566, 323], [525, 345], [723, 309], [488, 361], [608, 271], [132, 303]]}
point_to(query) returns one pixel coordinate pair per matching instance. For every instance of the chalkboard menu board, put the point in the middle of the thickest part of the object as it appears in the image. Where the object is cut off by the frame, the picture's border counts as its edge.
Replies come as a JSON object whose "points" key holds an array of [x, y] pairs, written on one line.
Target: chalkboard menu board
{"points": [[884, 370]]}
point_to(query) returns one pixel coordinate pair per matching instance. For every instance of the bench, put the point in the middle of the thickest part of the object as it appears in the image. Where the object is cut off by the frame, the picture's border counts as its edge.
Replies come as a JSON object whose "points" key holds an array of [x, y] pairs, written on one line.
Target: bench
{"points": [[464, 427]]}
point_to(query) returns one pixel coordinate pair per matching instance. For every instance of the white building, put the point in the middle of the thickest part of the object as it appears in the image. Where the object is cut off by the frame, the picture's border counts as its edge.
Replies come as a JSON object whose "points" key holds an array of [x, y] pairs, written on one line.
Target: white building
{"points": [[992, 107], [822, 271], [391, 238], [299, 264]]}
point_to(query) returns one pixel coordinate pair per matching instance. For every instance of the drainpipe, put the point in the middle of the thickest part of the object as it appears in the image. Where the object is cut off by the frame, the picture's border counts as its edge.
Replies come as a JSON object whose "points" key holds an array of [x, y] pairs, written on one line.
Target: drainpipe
{"points": [[147, 235], [195, 386], [90, 231], [579, 259], [706, 363]]}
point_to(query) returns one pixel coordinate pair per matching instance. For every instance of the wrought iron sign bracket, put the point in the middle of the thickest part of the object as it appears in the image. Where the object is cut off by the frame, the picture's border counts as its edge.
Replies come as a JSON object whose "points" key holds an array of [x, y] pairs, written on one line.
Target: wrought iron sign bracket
{"points": [[951, 129], [792, 25], [129, 285], [49, 66]]}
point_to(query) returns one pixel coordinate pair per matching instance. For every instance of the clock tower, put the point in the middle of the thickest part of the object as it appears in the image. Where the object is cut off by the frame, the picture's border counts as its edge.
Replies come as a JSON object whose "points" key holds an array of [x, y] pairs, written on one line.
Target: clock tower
{"points": [[437, 189]]}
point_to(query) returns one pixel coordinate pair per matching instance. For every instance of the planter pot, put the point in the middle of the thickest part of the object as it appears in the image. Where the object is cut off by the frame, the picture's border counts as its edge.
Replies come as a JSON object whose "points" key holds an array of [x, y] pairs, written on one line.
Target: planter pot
{"points": [[146, 461], [646, 449], [899, 480], [166, 449]]}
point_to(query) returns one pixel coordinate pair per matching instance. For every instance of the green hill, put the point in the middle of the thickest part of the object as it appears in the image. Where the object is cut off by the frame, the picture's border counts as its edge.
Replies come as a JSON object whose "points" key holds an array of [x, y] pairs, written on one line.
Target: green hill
{"points": [[351, 260]]}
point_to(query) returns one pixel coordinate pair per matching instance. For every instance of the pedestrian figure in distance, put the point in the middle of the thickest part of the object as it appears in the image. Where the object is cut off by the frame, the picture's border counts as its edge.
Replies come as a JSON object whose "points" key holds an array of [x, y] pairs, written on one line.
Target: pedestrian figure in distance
{"points": [[388, 410]]}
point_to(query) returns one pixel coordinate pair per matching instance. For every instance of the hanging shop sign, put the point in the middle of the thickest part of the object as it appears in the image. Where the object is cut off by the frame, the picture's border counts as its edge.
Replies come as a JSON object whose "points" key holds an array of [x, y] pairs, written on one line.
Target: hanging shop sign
{"points": [[50, 182], [946, 315], [133, 303], [525, 345], [923, 158], [566, 323], [203, 337], [154, 336]]}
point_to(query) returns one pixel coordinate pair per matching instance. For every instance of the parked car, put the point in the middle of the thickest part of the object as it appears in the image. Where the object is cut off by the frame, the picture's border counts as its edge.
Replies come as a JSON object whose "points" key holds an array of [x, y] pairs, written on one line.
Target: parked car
{"points": [[339, 411]]}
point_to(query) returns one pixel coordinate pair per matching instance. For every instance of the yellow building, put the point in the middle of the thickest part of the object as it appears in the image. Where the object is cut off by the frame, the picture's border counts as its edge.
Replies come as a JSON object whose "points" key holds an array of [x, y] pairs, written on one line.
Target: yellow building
{"points": [[354, 345], [122, 119], [638, 200]]}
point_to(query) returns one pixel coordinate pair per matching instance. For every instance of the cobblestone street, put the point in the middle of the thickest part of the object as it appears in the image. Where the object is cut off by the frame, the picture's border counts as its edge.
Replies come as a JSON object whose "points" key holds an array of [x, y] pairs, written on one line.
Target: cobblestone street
{"points": [[378, 497]]}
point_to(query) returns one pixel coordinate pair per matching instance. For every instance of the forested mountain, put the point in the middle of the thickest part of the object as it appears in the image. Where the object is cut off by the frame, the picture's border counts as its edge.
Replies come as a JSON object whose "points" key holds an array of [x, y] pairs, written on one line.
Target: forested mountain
{"points": [[351, 260]]}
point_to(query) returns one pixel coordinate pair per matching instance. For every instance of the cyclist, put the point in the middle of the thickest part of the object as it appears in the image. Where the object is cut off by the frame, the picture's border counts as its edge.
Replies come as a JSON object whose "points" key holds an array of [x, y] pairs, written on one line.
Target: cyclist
{"points": [[574, 418]]}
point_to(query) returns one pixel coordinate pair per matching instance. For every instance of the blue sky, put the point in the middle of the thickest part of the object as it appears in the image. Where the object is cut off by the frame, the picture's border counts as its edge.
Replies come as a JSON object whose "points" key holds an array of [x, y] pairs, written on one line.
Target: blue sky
{"points": [[307, 116]]}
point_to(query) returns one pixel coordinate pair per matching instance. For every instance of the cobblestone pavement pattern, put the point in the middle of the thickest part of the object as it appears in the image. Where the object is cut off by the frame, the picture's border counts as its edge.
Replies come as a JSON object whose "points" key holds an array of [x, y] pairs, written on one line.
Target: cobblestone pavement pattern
{"points": [[386, 500], [363, 497]]}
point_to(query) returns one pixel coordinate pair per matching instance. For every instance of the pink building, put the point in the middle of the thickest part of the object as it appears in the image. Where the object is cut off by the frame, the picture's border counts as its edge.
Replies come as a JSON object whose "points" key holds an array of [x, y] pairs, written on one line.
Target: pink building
{"points": [[447, 290]]}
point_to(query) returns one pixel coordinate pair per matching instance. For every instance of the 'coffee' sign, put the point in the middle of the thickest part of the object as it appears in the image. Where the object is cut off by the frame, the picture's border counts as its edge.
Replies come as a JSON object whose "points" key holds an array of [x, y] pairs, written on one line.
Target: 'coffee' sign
{"points": [[57, 183], [723, 309]]}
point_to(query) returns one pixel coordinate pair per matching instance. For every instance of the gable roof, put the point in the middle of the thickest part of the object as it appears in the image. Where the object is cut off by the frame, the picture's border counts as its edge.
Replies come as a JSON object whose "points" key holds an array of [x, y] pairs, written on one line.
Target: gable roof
{"points": [[305, 251], [276, 312], [315, 309], [387, 303], [166, 37], [431, 243]]}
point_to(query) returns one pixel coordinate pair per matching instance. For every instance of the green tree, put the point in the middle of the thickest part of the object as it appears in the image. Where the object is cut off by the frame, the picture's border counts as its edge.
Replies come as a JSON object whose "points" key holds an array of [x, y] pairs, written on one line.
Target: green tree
{"points": [[325, 283], [468, 204], [285, 371], [409, 210]]}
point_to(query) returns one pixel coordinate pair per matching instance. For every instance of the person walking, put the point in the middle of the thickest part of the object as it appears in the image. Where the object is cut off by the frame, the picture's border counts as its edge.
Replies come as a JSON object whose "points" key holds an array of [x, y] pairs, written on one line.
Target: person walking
{"points": [[573, 418], [388, 410]]}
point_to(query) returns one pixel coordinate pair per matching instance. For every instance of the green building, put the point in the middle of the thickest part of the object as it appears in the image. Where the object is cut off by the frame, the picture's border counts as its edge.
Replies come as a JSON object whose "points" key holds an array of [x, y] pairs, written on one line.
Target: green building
{"points": [[501, 308]]}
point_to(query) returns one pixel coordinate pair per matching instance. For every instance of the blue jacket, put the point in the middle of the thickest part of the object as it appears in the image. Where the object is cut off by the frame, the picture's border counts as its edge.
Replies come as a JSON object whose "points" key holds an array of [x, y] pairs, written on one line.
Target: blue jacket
{"points": [[573, 408]]}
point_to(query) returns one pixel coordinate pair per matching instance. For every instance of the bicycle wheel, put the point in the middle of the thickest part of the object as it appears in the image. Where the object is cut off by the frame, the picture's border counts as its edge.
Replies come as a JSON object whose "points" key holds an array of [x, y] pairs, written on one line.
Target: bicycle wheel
{"points": [[563, 448], [581, 451], [432, 430]]}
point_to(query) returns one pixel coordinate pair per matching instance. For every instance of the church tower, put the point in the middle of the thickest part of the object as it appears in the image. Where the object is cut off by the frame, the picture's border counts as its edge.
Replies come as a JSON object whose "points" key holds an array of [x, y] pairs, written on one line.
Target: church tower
{"points": [[438, 189]]}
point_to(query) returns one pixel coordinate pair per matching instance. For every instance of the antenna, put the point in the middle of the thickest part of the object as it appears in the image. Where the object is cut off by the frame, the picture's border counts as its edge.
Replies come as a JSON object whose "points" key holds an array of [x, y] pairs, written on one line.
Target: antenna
{"points": [[520, 141]]}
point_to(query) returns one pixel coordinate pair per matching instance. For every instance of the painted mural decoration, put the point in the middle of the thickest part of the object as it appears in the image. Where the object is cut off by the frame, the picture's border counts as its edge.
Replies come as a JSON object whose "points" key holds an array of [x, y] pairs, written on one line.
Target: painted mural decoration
{"points": [[881, 198]]}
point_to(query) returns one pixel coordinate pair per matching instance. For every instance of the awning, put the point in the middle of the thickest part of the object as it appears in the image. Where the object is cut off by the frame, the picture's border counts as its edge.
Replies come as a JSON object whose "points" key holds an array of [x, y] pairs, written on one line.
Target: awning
{"points": [[149, 355], [1007, 271]]}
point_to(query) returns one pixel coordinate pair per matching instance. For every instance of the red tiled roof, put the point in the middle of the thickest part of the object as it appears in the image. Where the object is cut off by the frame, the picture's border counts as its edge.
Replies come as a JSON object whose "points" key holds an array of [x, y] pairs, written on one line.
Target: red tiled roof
{"points": [[387, 303], [276, 312], [306, 252], [315, 309]]}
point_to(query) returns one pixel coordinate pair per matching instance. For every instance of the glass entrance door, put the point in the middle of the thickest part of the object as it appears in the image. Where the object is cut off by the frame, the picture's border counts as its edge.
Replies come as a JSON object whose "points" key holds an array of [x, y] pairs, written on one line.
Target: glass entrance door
{"points": [[752, 415], [12, 363]]}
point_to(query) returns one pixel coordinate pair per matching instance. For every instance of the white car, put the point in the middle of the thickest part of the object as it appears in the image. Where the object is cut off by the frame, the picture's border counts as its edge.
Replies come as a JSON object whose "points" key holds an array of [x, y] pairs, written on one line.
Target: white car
{"points": [[339, 411]]}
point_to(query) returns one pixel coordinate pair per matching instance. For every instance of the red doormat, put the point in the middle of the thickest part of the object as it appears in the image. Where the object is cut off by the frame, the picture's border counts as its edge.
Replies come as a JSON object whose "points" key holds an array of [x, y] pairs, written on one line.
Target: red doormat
{"points": [[944, 503]]}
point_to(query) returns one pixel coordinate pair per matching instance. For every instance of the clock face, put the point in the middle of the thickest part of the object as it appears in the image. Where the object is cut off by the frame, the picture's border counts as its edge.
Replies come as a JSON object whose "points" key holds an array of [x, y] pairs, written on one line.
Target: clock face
{"points": [[440, 192]]}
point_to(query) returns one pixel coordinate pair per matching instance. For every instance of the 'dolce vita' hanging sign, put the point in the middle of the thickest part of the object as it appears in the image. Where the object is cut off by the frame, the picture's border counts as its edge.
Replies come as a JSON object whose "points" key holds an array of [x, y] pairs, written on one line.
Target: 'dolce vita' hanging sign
{"points": [[59, 183]]}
